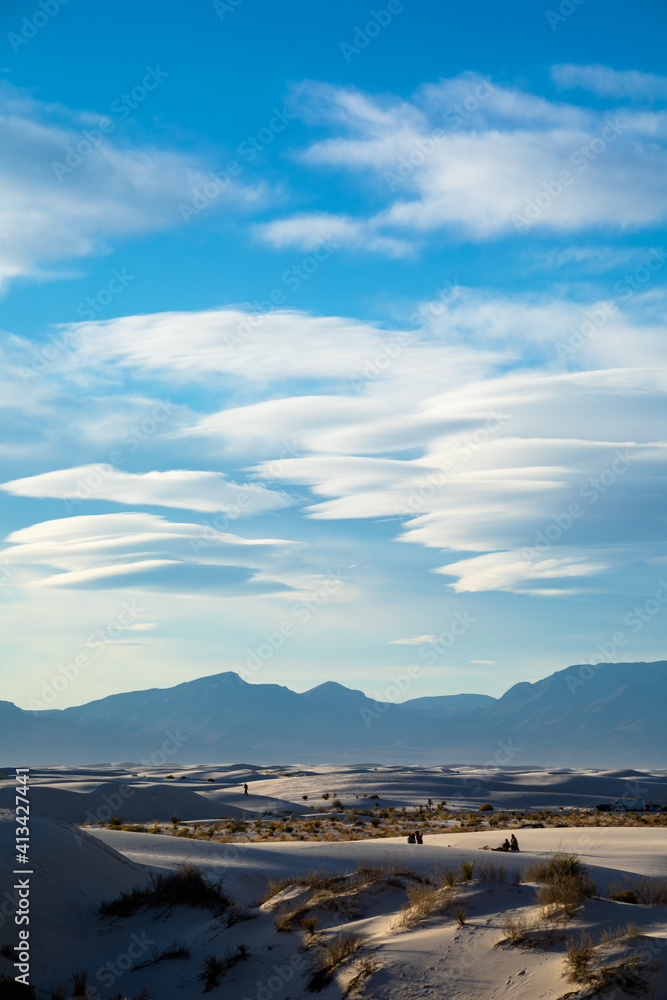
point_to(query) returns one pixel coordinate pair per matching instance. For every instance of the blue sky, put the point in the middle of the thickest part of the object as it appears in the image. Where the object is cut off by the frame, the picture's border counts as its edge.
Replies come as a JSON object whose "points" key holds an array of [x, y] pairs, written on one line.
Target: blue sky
{"points": [[332, 343]]}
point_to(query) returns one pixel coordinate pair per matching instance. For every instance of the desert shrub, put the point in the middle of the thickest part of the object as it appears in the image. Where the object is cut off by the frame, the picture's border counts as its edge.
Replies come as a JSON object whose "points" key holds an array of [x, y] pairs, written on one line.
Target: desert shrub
{"points": [[80, 985], [649, 891], [421, 902], [566, 880], [325, 795], [215, 968], [336, 804], [366, 967], [445, 876], [309, 924], [461, 917], [283, 919], [579, 959], [467, 869], [515, 929], [210, 779], [168, 776], [490, 871], [623, 895], [172, 951], [115, 823], [486, 807], [187, 886], [336, 951]]}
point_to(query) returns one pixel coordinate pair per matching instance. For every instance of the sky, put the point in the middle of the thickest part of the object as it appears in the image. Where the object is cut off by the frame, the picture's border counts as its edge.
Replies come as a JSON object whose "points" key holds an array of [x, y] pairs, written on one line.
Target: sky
{"points": [[332, 343]]}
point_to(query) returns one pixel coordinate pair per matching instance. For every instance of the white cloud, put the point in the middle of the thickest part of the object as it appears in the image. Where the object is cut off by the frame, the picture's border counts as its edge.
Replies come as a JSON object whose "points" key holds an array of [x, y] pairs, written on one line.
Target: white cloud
{"points": [[607, 82], [255, 347], [54, 213], [432, 165], [204, 491], [147, 553], [487, 662], [415, 640], [310, 231]]}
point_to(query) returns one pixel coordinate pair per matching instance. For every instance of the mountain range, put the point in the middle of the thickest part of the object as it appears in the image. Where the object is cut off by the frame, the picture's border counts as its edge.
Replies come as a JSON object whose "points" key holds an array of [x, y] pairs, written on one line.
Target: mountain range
{"points": [[611, 715]]}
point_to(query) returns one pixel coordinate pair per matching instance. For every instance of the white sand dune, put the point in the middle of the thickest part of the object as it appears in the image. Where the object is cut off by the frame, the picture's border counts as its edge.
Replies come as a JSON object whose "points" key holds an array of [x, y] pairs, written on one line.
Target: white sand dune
{"points": [[75, 871]]}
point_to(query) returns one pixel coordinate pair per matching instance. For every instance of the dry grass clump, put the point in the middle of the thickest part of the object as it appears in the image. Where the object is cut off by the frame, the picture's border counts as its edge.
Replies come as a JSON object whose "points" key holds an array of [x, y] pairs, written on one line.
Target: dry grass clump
{"points": [[335, 952], [215, 968], [489, 871], [366, 967], [649, 891], [566, 882], [516, 930], [187, 886], [424, 900], [583, 966]]}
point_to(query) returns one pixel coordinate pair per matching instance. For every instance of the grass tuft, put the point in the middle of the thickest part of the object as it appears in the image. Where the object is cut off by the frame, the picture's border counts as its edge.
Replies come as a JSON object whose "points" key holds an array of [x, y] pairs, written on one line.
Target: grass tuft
{"points": [[187, 886]]}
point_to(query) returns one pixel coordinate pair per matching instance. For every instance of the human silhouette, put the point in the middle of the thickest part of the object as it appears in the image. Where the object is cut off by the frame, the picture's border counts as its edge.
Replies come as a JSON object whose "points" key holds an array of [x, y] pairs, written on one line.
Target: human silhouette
{"points": [[245, 788]]}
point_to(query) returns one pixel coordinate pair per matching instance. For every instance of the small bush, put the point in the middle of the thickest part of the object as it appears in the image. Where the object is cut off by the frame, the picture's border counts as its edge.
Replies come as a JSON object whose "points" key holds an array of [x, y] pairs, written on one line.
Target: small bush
{"points": [[215, 968], [461, 917], [325, 795], [309, 924], [187, 886], [335, 952], [173, 951], [467, 869], [515, 929], [486, 807], [624, 896], [366, 967], [649, 891], [579, 960]]}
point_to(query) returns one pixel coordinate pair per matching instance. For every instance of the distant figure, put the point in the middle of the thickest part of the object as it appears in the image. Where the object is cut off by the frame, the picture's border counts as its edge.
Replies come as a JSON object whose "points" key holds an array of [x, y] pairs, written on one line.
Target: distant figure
{"points": [[412, 839], [418, 835], [505, 846], [245, 789], [514, 843]]}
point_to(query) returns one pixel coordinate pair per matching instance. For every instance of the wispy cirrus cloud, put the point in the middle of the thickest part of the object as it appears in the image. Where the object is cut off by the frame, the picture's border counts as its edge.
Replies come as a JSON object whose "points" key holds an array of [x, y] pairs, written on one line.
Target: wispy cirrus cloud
{"points": [[65, 193], [607, 82], [467, 156]]}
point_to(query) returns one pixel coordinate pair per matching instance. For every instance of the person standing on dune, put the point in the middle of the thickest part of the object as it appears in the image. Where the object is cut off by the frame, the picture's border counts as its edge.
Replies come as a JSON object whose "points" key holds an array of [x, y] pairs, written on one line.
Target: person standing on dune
{"points": [[245, 788]]}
